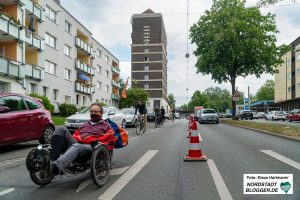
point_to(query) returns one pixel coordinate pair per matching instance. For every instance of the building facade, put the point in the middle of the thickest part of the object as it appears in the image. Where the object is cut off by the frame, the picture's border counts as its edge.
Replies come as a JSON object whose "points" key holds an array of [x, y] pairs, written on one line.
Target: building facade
{"points": [[45, 50], [287, 80], [149, 57]]}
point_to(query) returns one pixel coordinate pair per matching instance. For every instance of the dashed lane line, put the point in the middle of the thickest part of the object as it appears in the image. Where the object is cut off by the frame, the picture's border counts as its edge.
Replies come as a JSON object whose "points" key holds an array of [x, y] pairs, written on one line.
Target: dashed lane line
{"points": [[282, 158], [115, 188], [4, 192], [221, 187]]}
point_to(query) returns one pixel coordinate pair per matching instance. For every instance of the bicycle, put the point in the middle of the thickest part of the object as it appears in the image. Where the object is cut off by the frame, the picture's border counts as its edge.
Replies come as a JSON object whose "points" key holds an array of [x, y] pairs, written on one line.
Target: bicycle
{"points": [[157, 121], [140, 125]]}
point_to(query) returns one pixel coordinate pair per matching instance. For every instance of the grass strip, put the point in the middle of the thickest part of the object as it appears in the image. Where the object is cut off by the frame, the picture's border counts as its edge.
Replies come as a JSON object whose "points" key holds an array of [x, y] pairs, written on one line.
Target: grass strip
{"points": [[58, 120]]}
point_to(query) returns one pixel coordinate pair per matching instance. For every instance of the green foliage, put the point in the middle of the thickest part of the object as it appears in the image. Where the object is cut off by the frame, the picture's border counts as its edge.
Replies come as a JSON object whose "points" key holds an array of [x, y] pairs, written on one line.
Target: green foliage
{"points": [[198, 99], [67, 109], [133, 95], [58, 120], [45, 100], [172, 100], [218, 99], [266, 91], [234, 40]]}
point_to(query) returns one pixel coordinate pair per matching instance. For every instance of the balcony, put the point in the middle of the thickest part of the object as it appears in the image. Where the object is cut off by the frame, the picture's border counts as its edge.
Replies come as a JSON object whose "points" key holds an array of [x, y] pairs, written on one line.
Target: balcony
{"points": [[86, 48], [83, 89], [115, 83], [84, 67], [35, 9], [115, 70], [115, 97], [12, 68], [34, 72], [9, 28], [33, 40]]}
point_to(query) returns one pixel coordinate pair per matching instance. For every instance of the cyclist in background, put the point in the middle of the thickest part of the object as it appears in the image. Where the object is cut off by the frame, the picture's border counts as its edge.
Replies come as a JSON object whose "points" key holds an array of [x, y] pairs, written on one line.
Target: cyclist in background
{"points": [[141, 107], [173, 114], [162, 114], [157, 113]]}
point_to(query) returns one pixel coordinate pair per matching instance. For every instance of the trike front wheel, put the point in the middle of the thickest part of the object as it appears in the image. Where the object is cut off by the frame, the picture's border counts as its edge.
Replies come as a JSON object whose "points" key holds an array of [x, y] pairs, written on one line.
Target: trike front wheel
{"points": [[100, 165]]}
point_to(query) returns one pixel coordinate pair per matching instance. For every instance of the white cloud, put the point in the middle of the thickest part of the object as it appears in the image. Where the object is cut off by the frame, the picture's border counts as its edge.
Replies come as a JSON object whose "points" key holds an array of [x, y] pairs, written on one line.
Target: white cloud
{"points": [[109, 21]]}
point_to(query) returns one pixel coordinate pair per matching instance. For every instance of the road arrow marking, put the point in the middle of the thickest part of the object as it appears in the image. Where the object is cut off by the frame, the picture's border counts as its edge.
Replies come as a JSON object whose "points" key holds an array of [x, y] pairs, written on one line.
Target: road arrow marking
{"points": [[221, 187], [282, 158], [115, 188], [4, 192]]}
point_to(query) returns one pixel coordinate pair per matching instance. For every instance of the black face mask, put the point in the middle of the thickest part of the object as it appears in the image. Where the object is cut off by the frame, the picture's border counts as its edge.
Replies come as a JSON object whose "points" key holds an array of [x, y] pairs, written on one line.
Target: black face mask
{"points": [[95, 118]]}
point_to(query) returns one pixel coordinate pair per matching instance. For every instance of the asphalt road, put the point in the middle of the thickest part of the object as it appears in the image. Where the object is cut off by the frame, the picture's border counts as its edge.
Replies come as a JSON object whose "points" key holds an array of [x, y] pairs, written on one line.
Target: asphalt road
{"points": [[152, 167]]}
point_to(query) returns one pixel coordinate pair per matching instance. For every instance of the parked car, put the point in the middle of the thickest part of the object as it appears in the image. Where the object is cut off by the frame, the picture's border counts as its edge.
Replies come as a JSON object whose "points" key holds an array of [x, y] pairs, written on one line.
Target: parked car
{"points": [[255, 115], [294, 115], [150, 116], [208, 115], [129, 116], [246, 114], [275, 115], [23, 118], [261, 115], [73, 122], [228, 115], [221, 115]]}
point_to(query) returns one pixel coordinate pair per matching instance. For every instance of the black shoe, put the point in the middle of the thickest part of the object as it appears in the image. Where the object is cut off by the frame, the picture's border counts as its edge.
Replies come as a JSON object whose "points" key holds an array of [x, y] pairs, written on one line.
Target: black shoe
{"points": [[54, 169]]}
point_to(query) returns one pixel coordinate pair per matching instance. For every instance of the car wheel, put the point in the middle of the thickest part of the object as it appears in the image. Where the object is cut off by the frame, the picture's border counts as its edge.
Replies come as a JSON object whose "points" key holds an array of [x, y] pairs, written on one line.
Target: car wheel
{"points": [[47, 134], [217, 122], [273, 119], [290, 120], [283, 120]]}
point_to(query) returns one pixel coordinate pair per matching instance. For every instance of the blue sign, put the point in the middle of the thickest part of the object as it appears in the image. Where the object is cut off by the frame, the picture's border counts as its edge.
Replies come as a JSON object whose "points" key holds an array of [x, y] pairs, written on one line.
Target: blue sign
{"points": [[246, 100], [246, 108]]}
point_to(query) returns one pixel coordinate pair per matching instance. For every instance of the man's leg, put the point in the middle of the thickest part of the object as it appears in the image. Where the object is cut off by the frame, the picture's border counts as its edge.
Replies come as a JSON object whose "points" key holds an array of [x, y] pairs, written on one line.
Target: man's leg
{"points": [[145, 120], [60, 141]]}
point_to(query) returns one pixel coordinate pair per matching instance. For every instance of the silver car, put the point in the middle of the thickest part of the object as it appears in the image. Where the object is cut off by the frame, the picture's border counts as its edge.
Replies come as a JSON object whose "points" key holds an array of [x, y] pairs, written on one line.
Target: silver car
{"points": [[208, 116], [275, 115], [129, 116], [73, 122]]}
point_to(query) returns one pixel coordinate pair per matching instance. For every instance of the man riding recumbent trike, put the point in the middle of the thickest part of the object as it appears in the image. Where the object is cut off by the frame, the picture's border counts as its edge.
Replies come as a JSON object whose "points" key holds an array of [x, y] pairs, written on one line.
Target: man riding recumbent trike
{"points": [[90, 147]]}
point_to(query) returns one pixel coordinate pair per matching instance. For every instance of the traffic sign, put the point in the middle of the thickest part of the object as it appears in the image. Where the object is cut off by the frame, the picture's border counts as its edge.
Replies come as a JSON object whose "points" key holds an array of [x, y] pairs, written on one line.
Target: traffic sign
{"points": [[235, 98]]}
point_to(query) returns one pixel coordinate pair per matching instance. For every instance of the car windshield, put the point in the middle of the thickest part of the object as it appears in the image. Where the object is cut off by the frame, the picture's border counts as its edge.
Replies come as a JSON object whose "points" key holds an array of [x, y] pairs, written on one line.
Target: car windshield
{"points": [[209, 111], [87, 110], [278, 112], [128, 111]]}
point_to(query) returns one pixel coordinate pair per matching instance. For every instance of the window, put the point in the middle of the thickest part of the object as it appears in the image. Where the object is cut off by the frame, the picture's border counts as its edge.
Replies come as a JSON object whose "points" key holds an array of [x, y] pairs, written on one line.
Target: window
{"points": [[289, 76], [83, 100], [298, 56], [33, 88], [68, 26], [146, 50], [14, 103], [146, 68], [289, 62], [50, 67], [289, 89], [99, 53], [146, 77], [99, 85], [107, 73], [77, 99], [106, 59], [298, 70], [50, 13], [50, 40], [67, 74], [148, 103], [146, 58], [45, 91], [32, 105], [106, 88], [67, 50], [146, 86], [67, 99], [99, 69], [298, 86], [55, 94]]}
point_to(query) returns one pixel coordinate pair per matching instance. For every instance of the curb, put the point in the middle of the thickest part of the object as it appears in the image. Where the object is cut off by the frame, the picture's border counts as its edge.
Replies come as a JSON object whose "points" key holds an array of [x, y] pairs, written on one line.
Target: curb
{"points": [[266, 132]]}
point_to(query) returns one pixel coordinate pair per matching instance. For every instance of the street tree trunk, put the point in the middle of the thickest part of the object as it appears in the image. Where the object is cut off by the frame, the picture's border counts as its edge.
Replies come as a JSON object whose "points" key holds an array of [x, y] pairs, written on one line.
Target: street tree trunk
{"points": [[233, 102]]}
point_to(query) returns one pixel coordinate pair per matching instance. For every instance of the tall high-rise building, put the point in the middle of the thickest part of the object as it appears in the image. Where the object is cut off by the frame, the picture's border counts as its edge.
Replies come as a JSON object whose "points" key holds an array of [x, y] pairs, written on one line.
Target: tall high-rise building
{"points": [[149, 57]]}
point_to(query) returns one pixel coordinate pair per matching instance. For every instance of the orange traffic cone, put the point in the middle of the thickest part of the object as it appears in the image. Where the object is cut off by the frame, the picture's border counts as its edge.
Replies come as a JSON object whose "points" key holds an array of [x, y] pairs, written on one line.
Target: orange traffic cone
{"points": [[189, 129], [195, 153]]}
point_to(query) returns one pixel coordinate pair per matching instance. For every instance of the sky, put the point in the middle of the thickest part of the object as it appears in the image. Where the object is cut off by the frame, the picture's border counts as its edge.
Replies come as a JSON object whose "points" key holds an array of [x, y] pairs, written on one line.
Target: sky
{"points": [[109, 22]]}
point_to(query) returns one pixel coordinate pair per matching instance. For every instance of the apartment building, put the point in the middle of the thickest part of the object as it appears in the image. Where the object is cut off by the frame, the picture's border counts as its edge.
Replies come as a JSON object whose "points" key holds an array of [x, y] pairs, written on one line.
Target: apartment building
{"points": [[45, 50], [149, 57], [287, 80]]}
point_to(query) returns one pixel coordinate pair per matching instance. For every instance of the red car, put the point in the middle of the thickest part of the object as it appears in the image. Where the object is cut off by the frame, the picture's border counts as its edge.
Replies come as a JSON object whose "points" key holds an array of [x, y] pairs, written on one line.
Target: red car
{"points": [[23, 118], [294, 115]]}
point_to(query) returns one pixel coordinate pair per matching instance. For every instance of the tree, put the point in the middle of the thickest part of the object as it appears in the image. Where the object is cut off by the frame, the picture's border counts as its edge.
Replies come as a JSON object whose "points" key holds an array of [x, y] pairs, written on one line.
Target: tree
{"points": [[219, 99], [172, 100], [266, 91], [198, 99], [133, 95], [234, 41]]}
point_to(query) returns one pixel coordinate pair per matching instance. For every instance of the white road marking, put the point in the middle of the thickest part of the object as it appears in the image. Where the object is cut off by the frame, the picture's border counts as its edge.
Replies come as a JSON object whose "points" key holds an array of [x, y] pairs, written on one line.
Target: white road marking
{"points": [[133, 138], [11, 161], [83, 185], [4, 192], [118, 171], [115, 188], [282, 158], [221, 187]]}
